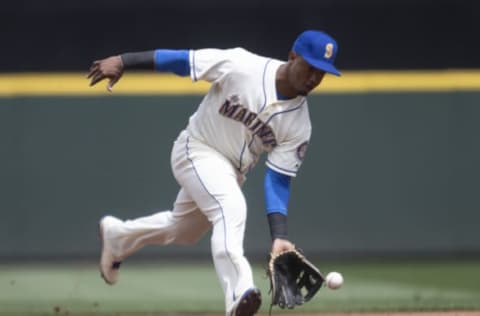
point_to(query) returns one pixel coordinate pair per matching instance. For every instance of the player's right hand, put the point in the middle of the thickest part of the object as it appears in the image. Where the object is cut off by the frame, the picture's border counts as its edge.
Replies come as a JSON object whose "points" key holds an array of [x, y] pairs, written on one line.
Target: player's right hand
{"points": [[111, 68], [281, 245]]}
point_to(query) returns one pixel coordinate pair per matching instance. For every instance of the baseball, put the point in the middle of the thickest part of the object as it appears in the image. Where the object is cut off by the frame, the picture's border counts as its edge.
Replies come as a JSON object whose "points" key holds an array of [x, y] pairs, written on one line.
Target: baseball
{"points": [[334, 280]]}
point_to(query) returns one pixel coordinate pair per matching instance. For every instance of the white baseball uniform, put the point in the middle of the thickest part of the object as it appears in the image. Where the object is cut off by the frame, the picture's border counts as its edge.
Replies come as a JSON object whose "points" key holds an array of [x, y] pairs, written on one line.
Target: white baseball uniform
{"points": [[238, 119]]}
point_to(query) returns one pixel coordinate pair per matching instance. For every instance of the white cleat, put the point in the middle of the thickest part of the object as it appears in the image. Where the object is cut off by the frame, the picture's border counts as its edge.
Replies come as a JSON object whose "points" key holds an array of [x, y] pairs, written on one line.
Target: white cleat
{"points": [[248, 304], [109, 264]]}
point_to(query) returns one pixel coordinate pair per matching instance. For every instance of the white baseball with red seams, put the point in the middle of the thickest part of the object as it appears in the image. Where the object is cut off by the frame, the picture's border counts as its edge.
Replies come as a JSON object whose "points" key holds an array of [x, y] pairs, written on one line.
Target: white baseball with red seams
{"points": [[334, 280]]}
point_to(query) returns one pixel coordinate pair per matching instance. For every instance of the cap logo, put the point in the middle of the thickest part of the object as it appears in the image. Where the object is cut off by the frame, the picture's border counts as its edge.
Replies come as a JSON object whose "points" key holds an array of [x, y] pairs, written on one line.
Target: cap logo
{"points": [[328, 51]]}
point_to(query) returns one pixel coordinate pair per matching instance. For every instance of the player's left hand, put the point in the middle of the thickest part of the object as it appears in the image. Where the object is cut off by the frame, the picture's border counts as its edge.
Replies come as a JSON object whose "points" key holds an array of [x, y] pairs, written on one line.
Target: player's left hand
{"points": [[111, 68]]}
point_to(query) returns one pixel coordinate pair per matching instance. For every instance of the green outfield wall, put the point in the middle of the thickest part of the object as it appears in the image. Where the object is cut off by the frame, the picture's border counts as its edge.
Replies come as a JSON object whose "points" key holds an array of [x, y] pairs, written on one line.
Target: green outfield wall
{"points": [[385, 173]]}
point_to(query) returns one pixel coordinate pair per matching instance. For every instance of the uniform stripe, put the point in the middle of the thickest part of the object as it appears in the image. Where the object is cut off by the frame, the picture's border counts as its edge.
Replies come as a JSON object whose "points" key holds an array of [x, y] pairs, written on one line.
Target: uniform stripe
{"points": [[193, 66], [241, 156], [264, 97], [187, 149], [286, 111], [263, 86], [291, 172]]}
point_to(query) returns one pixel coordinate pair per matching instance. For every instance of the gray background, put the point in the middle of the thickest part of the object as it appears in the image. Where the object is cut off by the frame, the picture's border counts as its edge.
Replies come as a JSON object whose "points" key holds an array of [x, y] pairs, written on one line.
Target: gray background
{"points": [[385, 174]]}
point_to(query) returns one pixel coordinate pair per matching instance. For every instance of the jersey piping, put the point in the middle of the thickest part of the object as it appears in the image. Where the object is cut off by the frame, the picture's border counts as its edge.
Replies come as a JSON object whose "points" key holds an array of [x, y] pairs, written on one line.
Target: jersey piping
{"points": [[282, 112], [241, 155], [263, 84], [261, 109], [227, 251], [193, 68], [280, 168]]}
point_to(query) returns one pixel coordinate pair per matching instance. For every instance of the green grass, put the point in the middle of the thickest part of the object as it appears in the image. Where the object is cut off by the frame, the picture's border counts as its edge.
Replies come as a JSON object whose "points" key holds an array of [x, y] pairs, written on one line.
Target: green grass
{"points": [[175, 288]]}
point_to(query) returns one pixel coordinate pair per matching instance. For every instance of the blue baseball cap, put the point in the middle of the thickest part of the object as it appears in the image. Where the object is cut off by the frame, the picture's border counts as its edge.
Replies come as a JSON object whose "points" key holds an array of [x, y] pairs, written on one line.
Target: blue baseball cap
{"points": [[318, 49]]}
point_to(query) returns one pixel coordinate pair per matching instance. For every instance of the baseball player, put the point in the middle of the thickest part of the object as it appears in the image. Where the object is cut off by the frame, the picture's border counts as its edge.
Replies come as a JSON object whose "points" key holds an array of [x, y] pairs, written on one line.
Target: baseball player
{"points": [[254, 105]]}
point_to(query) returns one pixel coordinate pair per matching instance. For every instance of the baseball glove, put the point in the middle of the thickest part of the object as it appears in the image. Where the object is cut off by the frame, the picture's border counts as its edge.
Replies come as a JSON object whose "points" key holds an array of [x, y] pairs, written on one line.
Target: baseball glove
{"points": [[293, 279]]}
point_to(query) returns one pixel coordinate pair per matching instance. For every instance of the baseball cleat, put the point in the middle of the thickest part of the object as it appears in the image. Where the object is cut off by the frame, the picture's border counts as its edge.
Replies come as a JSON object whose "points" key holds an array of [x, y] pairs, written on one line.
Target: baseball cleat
{"points": [[248, 304], [109, 264]]}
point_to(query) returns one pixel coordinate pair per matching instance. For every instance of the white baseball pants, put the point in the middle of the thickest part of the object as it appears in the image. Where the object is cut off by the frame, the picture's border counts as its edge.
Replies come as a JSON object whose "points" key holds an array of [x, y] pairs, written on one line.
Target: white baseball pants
{"points": [[210, 196]]}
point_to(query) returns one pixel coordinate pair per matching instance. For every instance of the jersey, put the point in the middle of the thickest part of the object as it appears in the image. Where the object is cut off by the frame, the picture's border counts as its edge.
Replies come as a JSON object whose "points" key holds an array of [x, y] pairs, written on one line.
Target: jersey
{"points": [[241, 117]]}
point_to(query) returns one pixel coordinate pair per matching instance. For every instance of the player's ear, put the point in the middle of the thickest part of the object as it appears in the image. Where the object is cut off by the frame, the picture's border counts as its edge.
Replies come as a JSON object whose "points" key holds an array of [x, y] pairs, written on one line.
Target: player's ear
{"points": [[292, 55]]}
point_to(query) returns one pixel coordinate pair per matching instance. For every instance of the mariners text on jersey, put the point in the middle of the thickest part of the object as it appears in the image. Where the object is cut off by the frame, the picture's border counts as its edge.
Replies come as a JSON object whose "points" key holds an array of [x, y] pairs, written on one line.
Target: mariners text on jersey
{"points": [[234, 110]]}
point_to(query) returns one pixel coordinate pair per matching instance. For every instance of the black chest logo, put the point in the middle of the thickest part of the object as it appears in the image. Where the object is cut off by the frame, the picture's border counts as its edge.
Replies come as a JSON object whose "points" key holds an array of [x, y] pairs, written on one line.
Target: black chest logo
{"points": [[232, 109]]}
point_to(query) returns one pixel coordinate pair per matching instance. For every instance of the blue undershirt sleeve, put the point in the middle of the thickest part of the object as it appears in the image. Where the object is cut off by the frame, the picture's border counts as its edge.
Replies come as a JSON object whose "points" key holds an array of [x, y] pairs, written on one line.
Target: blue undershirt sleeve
{"points": [[169, 60], [277, 192]]}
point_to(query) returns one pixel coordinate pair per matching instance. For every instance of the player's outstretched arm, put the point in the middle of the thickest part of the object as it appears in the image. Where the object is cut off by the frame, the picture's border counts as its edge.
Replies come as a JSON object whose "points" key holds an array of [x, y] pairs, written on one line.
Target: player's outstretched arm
{"points": [[109, 68], [161, 60], [277, 192]]}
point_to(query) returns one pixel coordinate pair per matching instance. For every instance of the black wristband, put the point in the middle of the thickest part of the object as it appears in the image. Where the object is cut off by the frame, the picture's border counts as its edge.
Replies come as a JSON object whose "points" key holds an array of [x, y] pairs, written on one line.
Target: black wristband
{"points": [[139, 60], [278, 225]]}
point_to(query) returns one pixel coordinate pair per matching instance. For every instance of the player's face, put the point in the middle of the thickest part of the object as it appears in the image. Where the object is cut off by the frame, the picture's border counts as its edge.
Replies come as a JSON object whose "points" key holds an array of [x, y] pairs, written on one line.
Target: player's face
{"points": [[302, 77]]}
